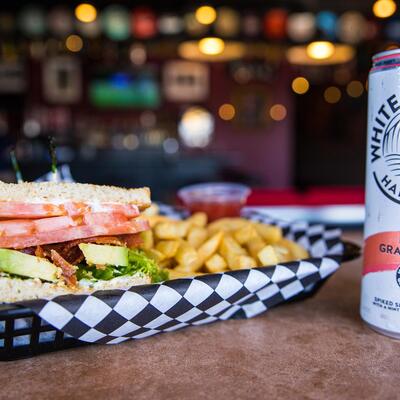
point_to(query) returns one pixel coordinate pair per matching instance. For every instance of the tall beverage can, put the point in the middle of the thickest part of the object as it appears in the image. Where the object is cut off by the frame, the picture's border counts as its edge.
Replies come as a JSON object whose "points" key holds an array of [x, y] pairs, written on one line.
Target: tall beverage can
{"points": [[380, 290]]}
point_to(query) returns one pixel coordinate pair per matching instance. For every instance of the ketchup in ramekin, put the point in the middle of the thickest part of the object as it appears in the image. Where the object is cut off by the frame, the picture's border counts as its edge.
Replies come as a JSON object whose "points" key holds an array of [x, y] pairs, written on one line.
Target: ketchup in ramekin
{"points": [[217, 200]]}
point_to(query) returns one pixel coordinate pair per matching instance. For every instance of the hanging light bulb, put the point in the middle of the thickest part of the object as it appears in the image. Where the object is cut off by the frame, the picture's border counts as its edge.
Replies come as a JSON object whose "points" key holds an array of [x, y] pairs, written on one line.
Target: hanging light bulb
{"points": [[315, 54], [320, 50], [211, 45]]}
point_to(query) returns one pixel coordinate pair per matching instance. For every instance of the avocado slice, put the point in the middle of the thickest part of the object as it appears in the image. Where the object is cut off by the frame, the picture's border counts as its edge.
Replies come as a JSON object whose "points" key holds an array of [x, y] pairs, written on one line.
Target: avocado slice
{"points": [[18, 263], [101, 254]]}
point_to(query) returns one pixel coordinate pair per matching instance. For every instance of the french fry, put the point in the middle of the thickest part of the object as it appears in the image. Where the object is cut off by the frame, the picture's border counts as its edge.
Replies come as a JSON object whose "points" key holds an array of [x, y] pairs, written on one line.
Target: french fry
{"points": [[282, 253], [230, 249], [156, 219], [226, 225], [177, 273], [171, 229], [267, 256], [186, 247], [196, 236], [198, 219], [245, 234], [167, 263], [215, 263], [168, 247], [242, 262], [147, 240], [297, 252], [208, 248], [152, 210], [187, 257], [230, 246], [270, 233], [255, 246], [156, 255]]}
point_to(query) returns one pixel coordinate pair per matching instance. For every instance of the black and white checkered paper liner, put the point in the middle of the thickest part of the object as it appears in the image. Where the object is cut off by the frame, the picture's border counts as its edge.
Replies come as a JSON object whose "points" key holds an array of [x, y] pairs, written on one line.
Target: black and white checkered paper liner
{"points": [[141, 311]]}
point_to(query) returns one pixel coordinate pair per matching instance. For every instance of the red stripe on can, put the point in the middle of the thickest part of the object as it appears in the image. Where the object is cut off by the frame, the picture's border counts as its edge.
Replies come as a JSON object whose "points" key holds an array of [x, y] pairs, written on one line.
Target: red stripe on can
{"points": [[382, 252]]}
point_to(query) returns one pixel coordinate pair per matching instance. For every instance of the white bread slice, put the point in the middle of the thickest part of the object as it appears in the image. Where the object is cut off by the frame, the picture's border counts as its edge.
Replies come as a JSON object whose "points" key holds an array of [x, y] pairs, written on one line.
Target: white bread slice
{"points": [[59, 192], [14, 289]]}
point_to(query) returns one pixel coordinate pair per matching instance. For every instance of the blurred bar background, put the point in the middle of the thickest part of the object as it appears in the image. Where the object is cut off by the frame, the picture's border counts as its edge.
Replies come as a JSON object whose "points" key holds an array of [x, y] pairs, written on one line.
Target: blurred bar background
{"points": [[165, 94]]}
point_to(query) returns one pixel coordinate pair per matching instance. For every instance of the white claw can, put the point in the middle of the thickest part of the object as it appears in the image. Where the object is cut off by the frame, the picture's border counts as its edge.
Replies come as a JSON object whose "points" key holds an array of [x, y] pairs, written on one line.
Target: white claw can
{"points": [[380, 290]]}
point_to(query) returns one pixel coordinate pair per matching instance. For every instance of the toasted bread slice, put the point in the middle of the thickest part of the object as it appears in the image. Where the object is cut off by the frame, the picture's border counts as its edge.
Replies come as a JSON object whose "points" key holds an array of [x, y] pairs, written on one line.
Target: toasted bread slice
{"points": [[14, 289], [60, 192]]}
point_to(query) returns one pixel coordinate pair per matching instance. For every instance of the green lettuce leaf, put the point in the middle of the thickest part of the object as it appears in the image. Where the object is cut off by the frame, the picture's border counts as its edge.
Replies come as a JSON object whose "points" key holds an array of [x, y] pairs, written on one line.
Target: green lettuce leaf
{"points": [[138, 263]]}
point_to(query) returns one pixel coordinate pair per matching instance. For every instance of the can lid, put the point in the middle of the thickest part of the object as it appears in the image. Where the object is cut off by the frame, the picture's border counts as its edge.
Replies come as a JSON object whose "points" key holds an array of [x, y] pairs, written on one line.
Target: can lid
{"points": [[385, 55]]}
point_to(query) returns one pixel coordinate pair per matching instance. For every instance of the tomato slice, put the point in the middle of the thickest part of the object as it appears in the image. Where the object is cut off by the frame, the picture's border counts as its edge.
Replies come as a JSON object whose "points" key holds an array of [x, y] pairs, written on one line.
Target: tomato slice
{"points": [[129, 210], [31, 226], [14, 210], [103, 218], [21, 241], [54, 223], [73, 209], [17, 227]]}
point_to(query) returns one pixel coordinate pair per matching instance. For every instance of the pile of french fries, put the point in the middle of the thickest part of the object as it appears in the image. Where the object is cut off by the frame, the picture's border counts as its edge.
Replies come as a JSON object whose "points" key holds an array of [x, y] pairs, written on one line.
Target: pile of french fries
{"points": [[193, 246]]}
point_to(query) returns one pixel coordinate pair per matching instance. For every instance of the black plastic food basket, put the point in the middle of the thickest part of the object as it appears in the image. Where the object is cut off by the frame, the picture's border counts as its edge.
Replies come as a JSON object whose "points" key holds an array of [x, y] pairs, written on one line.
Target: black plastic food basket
{"points": [[24, 334]]}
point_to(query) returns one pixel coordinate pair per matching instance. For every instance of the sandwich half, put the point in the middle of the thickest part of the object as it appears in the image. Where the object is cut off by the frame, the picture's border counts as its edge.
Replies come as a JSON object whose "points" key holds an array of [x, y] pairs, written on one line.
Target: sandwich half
{"points": [[62, 238]]}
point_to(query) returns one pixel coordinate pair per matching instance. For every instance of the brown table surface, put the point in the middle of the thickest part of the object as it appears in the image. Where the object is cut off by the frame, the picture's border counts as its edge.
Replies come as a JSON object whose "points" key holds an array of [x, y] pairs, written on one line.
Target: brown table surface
{"points": [[315, 349]]}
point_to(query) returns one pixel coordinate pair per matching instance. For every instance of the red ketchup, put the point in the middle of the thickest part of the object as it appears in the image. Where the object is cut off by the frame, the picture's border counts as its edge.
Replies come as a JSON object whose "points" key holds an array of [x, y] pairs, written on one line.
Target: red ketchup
{"points": [[217, 200]]}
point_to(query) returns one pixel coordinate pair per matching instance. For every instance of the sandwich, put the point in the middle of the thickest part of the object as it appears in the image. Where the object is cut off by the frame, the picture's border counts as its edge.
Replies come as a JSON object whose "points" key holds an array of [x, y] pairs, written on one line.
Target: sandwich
{"points": [[71, 238]]}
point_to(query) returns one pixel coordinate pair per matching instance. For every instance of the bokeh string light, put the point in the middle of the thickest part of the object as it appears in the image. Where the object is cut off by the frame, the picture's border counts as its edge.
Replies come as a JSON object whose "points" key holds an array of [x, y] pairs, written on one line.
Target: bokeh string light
{"points": [[278, 112], [206, 15], [300, 85], [196, 127], [326, 23], [355, 89], [116, 22], [226, 112], [301, 26], [332, 94], [85, 12], [74, 43], [227, 23], [384, 8], [277, 22]]}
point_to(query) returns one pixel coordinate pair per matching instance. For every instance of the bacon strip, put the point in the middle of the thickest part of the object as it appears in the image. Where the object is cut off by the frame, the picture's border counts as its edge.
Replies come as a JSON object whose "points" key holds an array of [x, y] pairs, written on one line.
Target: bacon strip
{"points": [[39, 252], [110, 240], [68, 270], [71, 252], [132, 241]]}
